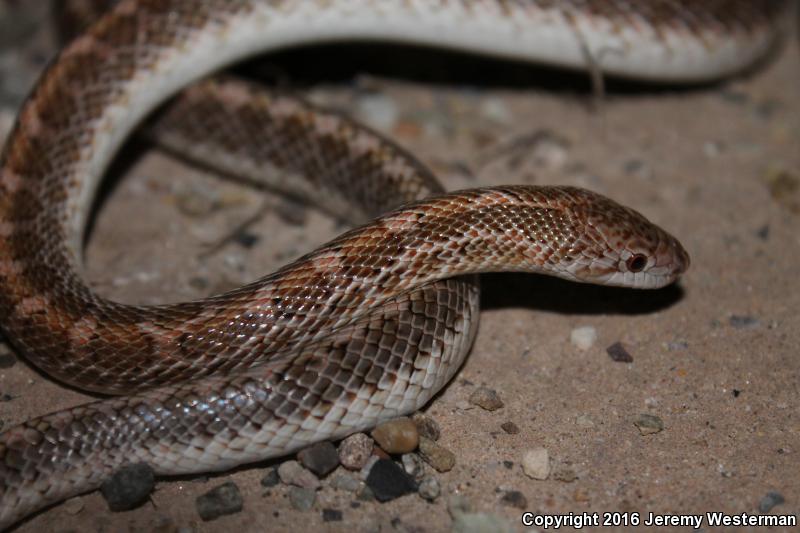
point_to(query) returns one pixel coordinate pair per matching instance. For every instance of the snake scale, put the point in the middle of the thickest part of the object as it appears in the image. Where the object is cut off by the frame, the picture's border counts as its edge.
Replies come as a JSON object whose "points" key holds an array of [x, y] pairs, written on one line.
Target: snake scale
{"points": [[368, 326]]}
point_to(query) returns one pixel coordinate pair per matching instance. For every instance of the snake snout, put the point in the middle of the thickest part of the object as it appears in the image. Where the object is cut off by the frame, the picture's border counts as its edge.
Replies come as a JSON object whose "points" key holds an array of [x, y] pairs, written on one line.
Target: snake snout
{"points": [[670, 260], [682, 259]]}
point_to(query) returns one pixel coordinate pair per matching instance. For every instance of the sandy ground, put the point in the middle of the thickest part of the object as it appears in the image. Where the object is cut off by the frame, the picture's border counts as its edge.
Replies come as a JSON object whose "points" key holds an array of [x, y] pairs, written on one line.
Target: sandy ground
{"points": [[714, 358]]}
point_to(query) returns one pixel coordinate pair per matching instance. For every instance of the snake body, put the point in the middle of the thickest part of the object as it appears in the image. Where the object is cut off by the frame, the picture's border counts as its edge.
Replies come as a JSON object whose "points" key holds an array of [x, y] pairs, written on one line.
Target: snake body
{"points": [[365, 328]]}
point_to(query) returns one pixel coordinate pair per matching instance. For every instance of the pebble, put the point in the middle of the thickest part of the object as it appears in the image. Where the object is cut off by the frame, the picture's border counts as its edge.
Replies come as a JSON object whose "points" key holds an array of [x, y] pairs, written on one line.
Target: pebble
{"points": [[355, 450], [245, 239], [129, 487], [784, 187], [7, 359], [770, 500], [514, 498], [648, 424], [743, 322], [486, 398], [378, 110], [220, 501], [73, 506], [388, 481], [464, 405], [510, 427], [583, 337], [426, 426], [495, 109], [550, 151], [302, 499], [345, 482], [397, 436], [332, 515], [293, 473], [321, 458], [439, 457], [536, 463], [619, 353], [564, 474], [413, 465], [271, 478], [677, 346], [429, 489], [713, 148]]}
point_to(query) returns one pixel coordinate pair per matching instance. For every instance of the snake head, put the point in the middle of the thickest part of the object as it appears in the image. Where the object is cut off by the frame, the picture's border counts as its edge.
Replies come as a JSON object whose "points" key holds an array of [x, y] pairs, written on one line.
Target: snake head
{"points": [[621, 247]]}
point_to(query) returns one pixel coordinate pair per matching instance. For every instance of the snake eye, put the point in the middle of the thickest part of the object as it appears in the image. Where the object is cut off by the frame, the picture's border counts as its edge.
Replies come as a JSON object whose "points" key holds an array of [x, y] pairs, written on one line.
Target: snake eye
{"points": [[636, 263]]}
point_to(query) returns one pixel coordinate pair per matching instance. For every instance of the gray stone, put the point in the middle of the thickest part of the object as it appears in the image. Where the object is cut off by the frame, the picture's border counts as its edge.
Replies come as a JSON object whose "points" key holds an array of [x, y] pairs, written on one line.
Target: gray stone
{"points": [[332, 515], [486, 398], [293, 473], [302, 499], [345, 482], [321, 458], [271, 478], [619, 353], [388, 481], [514, 498], [770, 500], [648, 424], [220, 501], [129, 487], [429, 489]]}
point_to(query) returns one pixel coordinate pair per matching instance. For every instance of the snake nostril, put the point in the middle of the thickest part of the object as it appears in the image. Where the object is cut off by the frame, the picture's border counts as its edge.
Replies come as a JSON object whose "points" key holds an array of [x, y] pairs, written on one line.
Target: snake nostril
{"points": [[686, 261]]}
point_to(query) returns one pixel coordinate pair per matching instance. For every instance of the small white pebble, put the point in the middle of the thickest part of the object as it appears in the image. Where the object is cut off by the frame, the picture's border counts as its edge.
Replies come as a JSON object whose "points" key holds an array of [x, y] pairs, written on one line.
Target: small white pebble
{"points": [[583, 337], [74, 506], [378, 110], [536, 463], [712, 149], [496, 110], [651, 401]]}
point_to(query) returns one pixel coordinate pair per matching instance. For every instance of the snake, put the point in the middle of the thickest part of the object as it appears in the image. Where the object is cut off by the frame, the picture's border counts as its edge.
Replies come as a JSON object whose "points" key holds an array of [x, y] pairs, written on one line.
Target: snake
{"points": [[368, 326]]}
